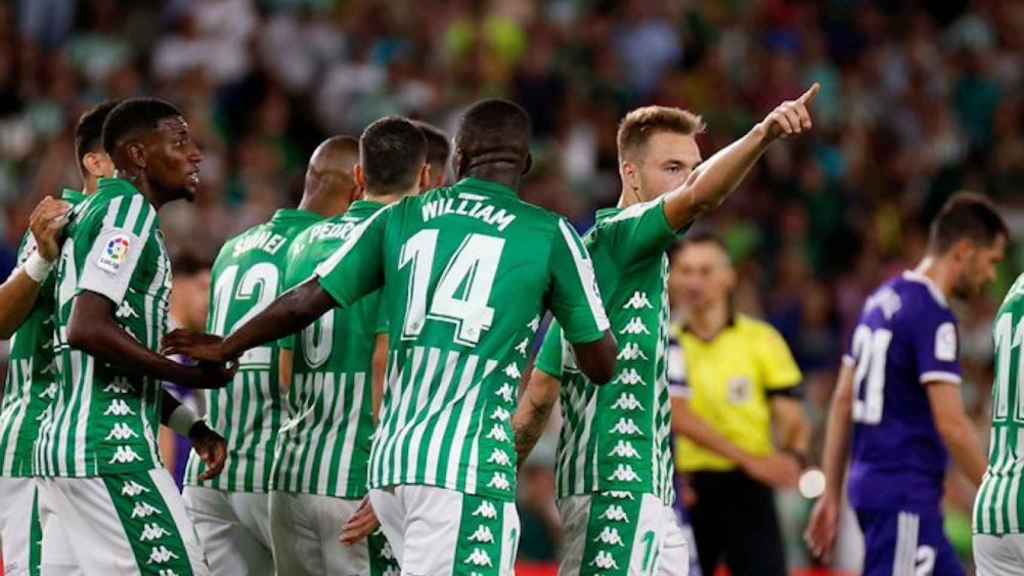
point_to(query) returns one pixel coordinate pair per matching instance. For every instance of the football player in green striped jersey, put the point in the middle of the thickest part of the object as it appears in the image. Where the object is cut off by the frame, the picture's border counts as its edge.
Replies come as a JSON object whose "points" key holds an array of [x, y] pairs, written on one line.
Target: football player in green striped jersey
{"points": [[467, 272], [103, 487], [232, 511], [614, 471], [320, 473]]}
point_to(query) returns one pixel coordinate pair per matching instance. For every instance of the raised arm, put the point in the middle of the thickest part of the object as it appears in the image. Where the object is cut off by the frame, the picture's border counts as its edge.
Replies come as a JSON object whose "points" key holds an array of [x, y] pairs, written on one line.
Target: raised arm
{"points": [[19, 292], [713, 181]]}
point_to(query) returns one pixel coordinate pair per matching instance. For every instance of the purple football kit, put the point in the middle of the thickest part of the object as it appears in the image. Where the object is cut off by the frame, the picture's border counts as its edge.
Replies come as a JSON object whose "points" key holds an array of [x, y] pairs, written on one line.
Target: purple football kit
{"points": [[906, 337]]}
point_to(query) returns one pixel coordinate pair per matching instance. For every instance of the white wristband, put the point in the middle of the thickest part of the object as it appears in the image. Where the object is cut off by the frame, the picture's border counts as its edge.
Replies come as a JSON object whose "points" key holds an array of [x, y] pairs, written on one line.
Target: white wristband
{"points": [[182, 420], [37, 267]]}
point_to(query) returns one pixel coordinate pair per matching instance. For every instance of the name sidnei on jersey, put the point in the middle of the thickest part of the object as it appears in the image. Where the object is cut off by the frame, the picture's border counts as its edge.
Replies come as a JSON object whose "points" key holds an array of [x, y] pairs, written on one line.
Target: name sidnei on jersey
{"points": [[264, 240]]}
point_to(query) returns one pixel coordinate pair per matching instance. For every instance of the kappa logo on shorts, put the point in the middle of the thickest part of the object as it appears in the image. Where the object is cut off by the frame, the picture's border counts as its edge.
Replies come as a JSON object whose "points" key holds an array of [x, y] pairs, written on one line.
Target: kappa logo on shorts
{"points": [[144, 510], [118, 408], [483, 534], [386, 552], [479, 558], [500, 482], [152, 532], [615, 513], [624, 473], [635, 327], [168, 573], [486, 510], [631, 351], [628, 402], [610, 536], [115, 253], [638, 301], [500, 414], [624, 449], [161, 555], [618, 494], [125, 455], [630, 377], [498, 433], [119, 385], [627, 427], [605, 561], [133, 489], [121, 431], [499, 457]]}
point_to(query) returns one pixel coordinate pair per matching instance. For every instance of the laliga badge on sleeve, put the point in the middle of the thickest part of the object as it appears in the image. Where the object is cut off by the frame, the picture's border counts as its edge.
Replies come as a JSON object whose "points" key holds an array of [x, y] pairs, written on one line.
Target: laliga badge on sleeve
{"points": [[115, 253], [945, 343]]}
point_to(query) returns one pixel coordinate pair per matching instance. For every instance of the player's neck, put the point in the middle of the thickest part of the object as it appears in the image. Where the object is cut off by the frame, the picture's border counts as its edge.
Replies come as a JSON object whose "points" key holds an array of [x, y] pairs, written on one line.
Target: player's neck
{"points": [[939, 271], [707, 323], [139, 181], [498, 175], [630, 196], [391, 198]]}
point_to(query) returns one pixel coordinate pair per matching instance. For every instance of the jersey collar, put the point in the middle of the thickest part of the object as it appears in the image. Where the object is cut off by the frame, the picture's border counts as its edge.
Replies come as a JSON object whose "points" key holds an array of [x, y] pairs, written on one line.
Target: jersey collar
{"points": [[72, 196], [293, 214], [913, 276], [487, 187]]}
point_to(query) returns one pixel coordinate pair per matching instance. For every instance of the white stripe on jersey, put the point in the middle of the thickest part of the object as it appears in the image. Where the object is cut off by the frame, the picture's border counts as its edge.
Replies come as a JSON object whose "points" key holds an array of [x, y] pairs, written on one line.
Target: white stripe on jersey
{"points": [[412, 381], [266, 434], [349, 442], [433, 359], [20, 373], [434, 453], [436, 406], [332, 397], [585, 271]]}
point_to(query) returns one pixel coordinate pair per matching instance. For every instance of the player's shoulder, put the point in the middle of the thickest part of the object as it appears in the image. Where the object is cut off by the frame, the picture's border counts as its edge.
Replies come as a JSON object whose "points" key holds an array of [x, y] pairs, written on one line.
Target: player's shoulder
{"points": [[1014, 299], [918, 294], [755, 328]]}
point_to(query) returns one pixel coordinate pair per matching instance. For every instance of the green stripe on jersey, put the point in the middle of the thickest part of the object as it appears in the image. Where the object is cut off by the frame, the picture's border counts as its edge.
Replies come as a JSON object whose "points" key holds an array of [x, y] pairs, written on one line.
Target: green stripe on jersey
{"points": [[325, 447], [466, 273], [247, 276], [31, 384], [617, 437], [999, 505], [105, 419]]}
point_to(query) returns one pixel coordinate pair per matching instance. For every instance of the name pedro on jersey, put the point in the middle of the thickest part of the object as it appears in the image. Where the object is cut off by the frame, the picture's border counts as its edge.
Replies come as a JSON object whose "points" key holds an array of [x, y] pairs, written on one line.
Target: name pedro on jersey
{"points": [[471, 206]]}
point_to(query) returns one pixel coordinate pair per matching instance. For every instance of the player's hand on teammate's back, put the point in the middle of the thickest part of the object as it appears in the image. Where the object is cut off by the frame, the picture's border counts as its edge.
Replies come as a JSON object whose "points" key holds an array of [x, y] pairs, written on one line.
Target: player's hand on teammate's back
{"points": [[821, 529], [363, 523], [776, 470], [197, 346], [791, 117], [211, 448], [46, 222]]}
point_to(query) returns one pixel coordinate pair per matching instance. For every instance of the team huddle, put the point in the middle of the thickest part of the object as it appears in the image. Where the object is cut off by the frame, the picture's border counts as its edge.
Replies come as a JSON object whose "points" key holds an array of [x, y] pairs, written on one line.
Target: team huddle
{"points": [[368, 370]]}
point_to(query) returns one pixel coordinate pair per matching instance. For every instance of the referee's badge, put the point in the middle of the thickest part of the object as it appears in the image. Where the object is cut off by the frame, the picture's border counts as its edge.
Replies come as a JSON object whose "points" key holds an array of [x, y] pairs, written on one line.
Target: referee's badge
{"points": [[741, 390]]}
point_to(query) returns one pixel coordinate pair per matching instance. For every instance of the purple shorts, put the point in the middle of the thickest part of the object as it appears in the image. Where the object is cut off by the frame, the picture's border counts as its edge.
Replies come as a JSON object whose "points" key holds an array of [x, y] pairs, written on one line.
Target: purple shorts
{"points": [[904, 543]]}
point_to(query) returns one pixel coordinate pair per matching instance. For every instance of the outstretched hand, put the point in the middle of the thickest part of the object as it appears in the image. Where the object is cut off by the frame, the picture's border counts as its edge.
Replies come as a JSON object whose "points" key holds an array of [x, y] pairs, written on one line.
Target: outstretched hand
{"points": [[197, 346], [791, 117]]}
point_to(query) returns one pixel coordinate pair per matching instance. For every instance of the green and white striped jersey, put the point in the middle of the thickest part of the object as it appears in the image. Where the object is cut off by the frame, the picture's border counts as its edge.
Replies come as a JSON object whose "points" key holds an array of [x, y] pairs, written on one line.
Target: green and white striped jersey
{"points": [[999, 505], [105, 419], [247, 276], [617, 437], [32, 380], [324, 448], [467, 272]]}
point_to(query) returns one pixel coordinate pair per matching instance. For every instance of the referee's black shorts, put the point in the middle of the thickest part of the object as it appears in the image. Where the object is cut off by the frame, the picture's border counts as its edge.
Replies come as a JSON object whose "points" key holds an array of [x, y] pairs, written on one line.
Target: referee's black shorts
{"points": [[735, 521]]}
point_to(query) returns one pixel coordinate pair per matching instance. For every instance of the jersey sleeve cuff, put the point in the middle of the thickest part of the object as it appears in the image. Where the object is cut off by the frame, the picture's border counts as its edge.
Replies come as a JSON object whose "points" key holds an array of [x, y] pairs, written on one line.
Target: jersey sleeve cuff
{"points": [[940, 376], [848, 361]]}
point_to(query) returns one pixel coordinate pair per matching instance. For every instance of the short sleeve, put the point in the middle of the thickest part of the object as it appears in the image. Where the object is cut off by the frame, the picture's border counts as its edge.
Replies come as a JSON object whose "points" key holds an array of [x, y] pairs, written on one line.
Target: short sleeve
{"points": [[549, 359], [357, 267], [936, 347], [574, 298], [678, 383], [778, 367], [639, 232], [119, 240]]}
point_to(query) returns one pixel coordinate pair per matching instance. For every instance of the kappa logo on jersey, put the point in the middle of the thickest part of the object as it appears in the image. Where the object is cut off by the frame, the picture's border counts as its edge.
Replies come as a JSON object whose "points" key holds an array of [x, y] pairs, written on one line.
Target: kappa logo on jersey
{"points": [[500, 482], [618, 494], [119, 385], [115, 253], [507, 392], [635, 327], [161, 555], [624, 449], [610, 536], [630, 377], [118, 408], [144, 510], [512, 371], [168, 573], [631, 351], [125, 310], [624, 473], [615, 513], [151, 532], [638, 301], [483, 534], [386, 552], [628, 402], [498, 433], [121, 431], [125, 455], [534, 324], [50, 393], [500, 458], [479, 558], [486, 510], [627, 427], [133, 489], [605, 561], [500, 414], [521, 347]]}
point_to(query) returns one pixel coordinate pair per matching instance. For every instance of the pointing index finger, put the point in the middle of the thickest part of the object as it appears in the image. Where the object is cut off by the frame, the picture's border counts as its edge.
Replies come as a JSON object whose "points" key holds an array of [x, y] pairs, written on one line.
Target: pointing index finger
{"points": [[812, 92]]}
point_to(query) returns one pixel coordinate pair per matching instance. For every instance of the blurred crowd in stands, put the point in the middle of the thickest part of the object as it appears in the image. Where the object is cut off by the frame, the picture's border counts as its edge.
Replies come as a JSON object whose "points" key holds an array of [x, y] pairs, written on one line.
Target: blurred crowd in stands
{"points": [[919, 100]]}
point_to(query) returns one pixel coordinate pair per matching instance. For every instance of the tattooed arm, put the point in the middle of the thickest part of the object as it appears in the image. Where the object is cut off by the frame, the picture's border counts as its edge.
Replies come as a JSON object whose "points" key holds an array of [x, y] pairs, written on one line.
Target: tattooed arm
{"points": [[534, 410]]}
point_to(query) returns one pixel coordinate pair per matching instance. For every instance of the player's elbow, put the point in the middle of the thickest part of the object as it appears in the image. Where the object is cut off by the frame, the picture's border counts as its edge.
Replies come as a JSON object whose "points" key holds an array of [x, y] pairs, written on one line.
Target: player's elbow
{"points": [[82, 335]]}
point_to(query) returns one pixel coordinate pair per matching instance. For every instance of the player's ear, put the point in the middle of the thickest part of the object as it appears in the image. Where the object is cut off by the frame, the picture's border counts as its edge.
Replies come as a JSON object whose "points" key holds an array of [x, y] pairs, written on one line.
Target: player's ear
{"points": [[425, 177], [136, 153], [630, 175], [360, 176]]}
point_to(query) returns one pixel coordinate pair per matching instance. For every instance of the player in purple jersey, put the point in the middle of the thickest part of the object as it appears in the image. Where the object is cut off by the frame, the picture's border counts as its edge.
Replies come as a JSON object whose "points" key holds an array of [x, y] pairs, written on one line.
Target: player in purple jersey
{"points": [[899, 389]]}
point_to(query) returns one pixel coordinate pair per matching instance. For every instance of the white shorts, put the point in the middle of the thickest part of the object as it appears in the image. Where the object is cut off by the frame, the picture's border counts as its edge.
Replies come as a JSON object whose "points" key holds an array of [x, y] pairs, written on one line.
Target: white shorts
{"points": [[305, 529], [18, 519], [621, 533], [122, 525], [999, 555], [234, 528], [434, 530]]}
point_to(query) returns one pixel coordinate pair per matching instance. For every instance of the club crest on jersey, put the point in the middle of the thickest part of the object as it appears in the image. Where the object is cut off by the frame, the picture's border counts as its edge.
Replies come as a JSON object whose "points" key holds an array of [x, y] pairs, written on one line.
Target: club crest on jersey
{"points": [[740, 390], [115, 253]]}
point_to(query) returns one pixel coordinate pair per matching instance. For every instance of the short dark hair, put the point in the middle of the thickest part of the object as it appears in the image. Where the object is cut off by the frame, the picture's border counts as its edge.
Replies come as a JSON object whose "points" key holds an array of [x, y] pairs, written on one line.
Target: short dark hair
{"points": [[700, 236], [134, 115], [494, 130], [439, 147], [966, 216], [89, 129], [392, 151]]}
